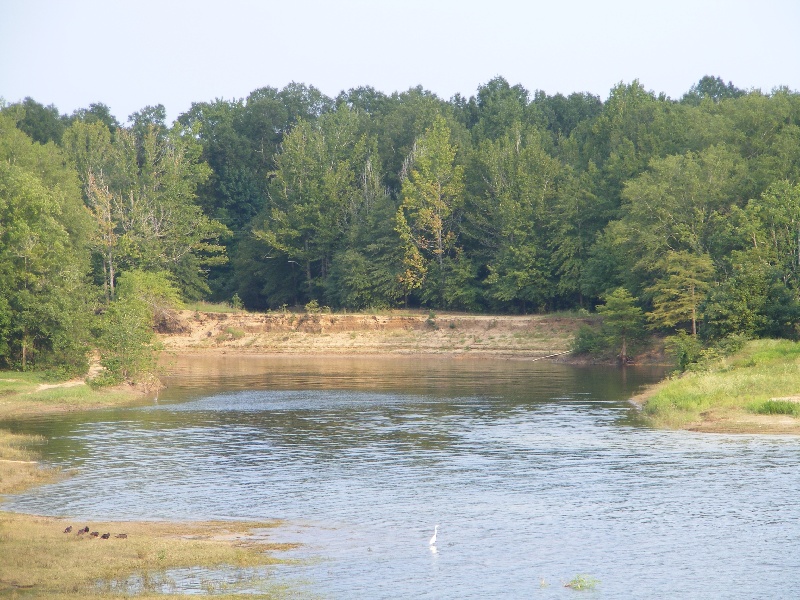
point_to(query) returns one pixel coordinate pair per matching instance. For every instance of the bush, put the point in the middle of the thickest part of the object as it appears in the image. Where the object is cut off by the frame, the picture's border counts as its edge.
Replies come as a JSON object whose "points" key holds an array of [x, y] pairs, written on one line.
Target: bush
{"points": [[685, 348], [589, 340]]}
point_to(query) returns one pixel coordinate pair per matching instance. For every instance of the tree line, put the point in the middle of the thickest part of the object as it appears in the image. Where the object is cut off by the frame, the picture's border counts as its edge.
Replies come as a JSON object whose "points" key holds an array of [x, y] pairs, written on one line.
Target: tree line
{"points": [[506, 201]]}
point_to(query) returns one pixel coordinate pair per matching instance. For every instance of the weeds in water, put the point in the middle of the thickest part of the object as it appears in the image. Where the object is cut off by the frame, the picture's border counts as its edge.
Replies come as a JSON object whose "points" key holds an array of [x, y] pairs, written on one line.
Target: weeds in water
{"points": [[582, 583]]}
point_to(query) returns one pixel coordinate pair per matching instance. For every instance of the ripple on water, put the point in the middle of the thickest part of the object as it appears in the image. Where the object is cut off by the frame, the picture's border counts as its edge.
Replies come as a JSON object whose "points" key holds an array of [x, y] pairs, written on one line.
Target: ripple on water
{"points": [[532, 472]]}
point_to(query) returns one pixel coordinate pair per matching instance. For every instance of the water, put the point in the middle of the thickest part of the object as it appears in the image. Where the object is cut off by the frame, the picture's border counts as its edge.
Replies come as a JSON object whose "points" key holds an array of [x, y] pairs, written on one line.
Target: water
{"points": [[534, 472]]}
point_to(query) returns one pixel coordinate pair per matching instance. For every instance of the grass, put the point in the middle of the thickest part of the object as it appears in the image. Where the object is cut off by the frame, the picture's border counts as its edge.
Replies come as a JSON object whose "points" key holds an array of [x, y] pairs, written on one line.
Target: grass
{"points": [[38, 560], [211, 307], [231, 333], [582, 583], [776, 407], [763, 378], [31, 393]]}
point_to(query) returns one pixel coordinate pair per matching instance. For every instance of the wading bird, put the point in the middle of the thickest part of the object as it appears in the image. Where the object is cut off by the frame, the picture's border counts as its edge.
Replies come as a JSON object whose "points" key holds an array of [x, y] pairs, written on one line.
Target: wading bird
{"points": [[433, 539]]}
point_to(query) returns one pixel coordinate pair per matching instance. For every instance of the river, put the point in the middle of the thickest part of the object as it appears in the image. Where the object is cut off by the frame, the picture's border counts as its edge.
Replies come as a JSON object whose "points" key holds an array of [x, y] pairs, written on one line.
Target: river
{"points": [[535, 473]]}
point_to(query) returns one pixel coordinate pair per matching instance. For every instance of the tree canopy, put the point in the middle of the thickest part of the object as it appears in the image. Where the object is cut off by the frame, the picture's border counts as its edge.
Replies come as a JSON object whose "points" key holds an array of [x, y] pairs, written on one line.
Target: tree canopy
{"points": [[508, 201]]}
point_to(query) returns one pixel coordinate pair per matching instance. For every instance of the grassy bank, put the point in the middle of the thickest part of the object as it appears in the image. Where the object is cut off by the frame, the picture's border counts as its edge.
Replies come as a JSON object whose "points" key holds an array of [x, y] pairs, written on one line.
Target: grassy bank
{"points": [[38, 560], [755, 390], [25, 394]]}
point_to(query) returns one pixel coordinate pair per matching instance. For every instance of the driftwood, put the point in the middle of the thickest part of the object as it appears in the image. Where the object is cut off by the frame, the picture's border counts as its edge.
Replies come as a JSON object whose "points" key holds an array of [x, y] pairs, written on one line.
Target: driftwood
{"points": [[551, 355]]}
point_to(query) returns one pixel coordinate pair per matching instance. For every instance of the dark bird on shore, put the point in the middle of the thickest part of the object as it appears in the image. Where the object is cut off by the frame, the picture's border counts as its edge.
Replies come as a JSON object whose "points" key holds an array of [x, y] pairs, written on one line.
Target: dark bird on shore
{"points": [[85, 529], [105, 536], [94, 533], [122, 536], [68, 529]]}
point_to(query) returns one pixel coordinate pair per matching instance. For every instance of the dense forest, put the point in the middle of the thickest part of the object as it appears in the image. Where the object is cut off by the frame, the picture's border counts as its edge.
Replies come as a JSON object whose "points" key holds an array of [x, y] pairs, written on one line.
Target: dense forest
{"points": [[684, 211]]}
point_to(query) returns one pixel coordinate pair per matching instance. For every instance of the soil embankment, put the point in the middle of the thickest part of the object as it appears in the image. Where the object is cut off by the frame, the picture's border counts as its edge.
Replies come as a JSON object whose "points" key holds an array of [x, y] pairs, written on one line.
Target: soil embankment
{"points": [[401, 333]]}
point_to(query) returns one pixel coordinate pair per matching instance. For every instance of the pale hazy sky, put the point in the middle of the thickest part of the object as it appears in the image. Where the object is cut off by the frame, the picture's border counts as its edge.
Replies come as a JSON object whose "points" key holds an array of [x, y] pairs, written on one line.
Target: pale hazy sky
{"points": [[128, 54]]}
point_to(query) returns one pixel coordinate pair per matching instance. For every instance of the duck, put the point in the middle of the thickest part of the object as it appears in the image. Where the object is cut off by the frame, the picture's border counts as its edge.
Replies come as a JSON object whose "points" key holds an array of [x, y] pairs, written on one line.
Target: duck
{"points": [[105, 536], [122, 536], [68, 529], [94, 533]]}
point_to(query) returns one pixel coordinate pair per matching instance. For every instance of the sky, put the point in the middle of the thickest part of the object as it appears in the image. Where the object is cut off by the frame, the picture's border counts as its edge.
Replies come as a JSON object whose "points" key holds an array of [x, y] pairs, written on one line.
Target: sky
{"points": [[131, 54]]}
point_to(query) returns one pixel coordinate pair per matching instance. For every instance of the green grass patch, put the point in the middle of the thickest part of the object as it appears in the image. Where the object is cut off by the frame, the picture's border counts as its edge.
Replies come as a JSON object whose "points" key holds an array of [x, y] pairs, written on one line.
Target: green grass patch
{"points": [[776, 407], [753, 379], [34, 393], [231, 333]]}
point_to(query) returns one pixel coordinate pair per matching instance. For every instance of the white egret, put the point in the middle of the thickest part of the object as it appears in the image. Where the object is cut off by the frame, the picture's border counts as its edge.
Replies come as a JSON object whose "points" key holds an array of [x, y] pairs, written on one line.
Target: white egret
{"points": [[433, 539]]}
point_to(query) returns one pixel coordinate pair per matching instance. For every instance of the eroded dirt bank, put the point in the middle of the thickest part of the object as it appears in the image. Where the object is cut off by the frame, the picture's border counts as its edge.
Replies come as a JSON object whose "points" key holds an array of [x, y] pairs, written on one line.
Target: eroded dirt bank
{"points": [[403, 333]]}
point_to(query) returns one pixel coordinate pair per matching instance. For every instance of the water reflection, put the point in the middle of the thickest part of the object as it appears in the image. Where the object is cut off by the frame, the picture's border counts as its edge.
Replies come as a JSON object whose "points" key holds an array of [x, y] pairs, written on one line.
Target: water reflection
{"points": [[533, 471]]}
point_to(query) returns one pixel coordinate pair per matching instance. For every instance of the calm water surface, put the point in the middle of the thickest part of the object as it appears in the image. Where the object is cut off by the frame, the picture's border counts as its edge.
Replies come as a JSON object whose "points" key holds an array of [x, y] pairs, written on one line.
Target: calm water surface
{"points": [[533, 471]]}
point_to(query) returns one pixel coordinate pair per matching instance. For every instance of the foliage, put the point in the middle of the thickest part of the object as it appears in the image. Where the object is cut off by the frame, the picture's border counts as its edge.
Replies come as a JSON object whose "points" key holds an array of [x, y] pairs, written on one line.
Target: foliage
{"points": [[679, 293], [623, 321], [729, 384], [431, 196], [590, 340], [44, 232], [128, 349], [506, 201], [685, 348]]}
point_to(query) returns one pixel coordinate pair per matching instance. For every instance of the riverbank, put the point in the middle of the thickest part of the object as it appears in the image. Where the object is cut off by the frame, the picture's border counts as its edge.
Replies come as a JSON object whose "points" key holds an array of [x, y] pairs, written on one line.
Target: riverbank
{"points": [[390, 332], [38, 559], [755, 390], [42, 558]]}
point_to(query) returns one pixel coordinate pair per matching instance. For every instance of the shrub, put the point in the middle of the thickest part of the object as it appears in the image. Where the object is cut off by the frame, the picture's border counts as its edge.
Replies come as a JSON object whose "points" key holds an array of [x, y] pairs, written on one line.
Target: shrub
{"points": [[685, 348], [589, 340]]}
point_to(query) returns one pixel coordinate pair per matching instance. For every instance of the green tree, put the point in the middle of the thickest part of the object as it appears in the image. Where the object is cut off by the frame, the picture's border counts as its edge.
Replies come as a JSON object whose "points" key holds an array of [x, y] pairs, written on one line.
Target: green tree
{"points": [[316, 192], [41, 123], [44, 232], [143, 201], [128, 347], [520, 186], [711, 88], [623, 321], [772, 223], [683, 288], [432, 193]]}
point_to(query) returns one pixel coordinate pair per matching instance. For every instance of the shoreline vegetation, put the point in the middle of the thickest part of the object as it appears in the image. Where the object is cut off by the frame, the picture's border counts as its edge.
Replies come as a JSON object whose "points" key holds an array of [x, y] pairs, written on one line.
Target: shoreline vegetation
{"points": [[754, 390]]}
